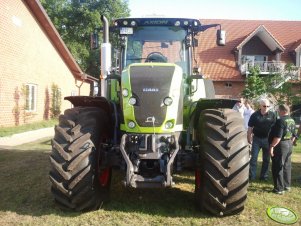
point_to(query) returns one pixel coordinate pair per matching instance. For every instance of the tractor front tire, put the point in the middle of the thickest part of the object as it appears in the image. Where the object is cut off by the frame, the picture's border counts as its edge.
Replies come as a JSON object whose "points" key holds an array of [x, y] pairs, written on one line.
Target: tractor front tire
{"points": [[222, 175], [75, 172]]}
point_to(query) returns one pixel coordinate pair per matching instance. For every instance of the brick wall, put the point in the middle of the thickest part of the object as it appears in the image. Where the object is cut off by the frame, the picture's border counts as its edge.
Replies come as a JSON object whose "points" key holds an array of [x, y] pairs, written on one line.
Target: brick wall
{"points": [[228, 89], [28, 57]]}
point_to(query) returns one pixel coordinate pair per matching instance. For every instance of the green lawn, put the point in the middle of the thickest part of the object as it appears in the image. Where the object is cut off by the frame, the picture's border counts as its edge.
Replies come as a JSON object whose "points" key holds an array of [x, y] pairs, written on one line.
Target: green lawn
{"points": [[25, 197], [8, 131]]}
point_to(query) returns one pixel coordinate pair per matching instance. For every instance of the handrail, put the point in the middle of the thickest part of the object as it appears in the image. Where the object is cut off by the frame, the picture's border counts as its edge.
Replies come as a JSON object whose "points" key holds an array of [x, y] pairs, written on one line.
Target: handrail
{"points": [[267, 67]]}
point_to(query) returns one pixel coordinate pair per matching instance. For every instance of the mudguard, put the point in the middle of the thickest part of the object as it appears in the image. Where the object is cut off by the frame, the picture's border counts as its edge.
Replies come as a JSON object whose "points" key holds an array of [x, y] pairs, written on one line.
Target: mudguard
{"points": [[90, 101], [100, 102], [203, 104]]}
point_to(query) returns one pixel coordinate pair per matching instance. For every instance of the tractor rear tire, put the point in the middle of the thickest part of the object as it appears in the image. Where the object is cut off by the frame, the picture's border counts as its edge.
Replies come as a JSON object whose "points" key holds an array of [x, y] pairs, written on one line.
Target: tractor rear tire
{"points": [[222, 175], [75, 172]]}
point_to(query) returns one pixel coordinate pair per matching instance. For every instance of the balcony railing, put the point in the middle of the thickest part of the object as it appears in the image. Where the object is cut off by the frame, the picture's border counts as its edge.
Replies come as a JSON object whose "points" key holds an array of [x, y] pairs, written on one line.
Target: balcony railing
{"points": [[271, 67]]}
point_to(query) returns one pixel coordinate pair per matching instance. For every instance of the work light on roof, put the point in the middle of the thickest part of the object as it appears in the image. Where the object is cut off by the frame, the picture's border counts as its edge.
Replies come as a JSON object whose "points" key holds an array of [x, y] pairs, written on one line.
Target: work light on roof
{"points": [[133, 23], [186, 22], [125, 22], [177, 23]]}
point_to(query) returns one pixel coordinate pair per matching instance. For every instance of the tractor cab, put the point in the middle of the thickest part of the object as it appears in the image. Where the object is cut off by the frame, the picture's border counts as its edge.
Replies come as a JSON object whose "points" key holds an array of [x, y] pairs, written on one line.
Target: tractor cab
{"points": [[156, 66], [160, 40]]}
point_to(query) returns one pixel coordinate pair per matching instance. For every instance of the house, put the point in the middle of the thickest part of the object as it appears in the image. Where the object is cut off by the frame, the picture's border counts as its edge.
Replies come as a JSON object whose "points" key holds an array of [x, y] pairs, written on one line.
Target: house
{"points": [[269, 45], [35, 65]]}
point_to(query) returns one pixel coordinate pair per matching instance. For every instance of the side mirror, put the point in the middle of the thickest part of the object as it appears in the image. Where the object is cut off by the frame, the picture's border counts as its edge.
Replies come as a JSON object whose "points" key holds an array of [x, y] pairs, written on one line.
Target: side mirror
{"points": [[221, 37], [94, 41]]}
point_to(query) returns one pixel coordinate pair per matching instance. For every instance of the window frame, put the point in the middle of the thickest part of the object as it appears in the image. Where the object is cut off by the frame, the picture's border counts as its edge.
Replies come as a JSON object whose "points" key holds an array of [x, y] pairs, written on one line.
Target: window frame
{"points": [[31, 97], [228, 85]]}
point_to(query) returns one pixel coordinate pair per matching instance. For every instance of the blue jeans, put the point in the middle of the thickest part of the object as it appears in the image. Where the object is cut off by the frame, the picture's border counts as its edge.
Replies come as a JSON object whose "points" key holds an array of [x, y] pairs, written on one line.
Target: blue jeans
{"points": [[257, 144]]}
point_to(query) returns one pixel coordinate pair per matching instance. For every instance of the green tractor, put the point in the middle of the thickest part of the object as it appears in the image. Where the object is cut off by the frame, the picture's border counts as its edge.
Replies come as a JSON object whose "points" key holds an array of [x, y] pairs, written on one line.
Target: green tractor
{"points": [[155, 115]]}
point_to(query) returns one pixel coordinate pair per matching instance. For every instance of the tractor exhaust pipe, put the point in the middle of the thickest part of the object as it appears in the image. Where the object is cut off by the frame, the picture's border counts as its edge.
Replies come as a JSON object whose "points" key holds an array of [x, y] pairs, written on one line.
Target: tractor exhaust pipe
{"points": [[105, 29], [105, 58]]}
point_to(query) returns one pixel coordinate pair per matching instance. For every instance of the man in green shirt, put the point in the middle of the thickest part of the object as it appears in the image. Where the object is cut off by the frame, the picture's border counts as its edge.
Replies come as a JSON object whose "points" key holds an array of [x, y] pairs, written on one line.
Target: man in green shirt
{"points": [[281, 140]]}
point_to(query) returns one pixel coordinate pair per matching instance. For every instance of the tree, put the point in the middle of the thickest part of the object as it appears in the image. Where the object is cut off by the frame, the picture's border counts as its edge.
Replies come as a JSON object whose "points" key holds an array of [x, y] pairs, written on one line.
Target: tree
{"points": [[56, 101], [276, 86], [255, 85], [75, 20]]}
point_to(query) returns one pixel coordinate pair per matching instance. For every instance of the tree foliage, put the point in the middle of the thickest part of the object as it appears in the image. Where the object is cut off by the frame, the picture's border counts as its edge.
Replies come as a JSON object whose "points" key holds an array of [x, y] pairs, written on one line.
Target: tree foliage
{"points": [[254, 86], [275, 85], [75, 20], [56, 101]]}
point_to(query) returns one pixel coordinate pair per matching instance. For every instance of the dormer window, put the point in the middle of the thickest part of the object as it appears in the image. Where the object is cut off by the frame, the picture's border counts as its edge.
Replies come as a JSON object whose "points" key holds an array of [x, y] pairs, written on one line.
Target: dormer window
{"points": [[260, 49]]}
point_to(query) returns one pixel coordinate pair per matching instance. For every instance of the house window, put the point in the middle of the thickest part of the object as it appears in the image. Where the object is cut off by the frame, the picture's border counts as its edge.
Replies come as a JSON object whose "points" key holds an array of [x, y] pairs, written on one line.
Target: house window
{"points": [[228, 85], [255, 58], [259, 61], [31, 97]]}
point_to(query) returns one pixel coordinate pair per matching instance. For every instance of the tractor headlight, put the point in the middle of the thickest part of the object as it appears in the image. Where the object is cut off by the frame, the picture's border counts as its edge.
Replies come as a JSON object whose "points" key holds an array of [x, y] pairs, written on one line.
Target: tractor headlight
{"points": [[132, 101], [167, 101], [131, 124], [125, 92], [168, 125]]}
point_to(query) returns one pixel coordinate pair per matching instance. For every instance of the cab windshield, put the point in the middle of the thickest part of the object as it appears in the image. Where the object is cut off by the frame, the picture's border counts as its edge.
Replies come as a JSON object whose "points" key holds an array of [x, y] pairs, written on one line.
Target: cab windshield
{"points": [[157, 44]]}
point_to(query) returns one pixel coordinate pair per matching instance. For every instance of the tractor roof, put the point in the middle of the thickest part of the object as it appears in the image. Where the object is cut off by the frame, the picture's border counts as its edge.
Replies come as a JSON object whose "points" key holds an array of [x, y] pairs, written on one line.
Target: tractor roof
{"points": [[177, 22]]}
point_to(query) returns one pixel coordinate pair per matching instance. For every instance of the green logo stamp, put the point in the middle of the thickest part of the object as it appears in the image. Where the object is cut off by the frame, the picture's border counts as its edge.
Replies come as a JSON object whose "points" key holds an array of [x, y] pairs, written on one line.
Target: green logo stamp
{"points": [[282, 215]]}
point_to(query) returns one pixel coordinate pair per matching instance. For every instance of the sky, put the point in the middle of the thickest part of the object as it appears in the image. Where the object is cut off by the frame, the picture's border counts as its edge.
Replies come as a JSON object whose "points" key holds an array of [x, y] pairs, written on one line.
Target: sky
{"points": [[218, 9]]}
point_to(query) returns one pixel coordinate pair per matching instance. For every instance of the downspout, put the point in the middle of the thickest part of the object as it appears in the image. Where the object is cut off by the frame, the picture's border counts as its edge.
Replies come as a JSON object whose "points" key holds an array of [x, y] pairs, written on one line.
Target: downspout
{"points": [[83, 77], [79, 86], [105, 58]]}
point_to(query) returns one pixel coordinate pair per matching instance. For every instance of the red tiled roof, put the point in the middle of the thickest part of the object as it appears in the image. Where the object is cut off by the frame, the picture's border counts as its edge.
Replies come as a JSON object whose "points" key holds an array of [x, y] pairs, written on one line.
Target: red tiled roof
{"points": [[218, 63], [296, 45]]}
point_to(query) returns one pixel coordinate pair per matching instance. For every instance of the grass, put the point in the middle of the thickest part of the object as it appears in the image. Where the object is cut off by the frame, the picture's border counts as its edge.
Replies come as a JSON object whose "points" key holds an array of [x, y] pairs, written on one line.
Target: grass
{"points": [[8, 131], [25, 197]]}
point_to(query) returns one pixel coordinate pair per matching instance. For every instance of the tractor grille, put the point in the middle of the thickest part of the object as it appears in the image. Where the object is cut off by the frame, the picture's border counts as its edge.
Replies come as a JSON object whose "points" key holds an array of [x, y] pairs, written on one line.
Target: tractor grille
{"points": [[150, 85]]}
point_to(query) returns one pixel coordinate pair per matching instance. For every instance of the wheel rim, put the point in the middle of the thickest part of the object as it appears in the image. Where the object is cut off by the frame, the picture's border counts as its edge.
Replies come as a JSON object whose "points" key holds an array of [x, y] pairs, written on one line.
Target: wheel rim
{"points": [[104, 177], [104, 174], [197, 178]]}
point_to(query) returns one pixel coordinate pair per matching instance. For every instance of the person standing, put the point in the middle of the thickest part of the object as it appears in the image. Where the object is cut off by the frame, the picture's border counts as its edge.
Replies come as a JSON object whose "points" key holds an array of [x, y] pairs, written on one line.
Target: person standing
{"points": [[281, 140], [239, 106], [259, 127], [248, 111]]}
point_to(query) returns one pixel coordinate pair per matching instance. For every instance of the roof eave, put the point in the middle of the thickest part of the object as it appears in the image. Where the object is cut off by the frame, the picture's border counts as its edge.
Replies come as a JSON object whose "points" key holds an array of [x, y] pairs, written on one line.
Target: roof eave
{"points": [[266, 34]]}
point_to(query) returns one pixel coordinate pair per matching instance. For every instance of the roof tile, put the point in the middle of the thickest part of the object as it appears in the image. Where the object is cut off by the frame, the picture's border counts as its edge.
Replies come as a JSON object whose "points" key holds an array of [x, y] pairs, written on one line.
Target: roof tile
{"points": [[218, 63]]}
